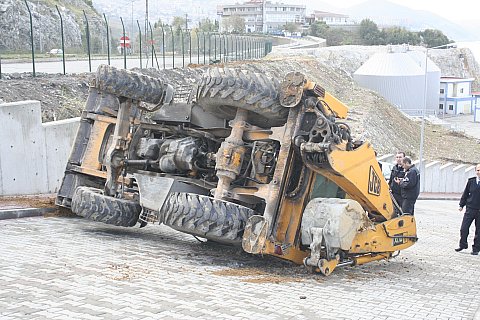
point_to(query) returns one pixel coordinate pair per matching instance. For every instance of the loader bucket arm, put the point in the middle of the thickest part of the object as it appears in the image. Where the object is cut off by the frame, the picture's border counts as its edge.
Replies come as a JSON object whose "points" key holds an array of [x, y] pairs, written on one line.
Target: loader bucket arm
{"points": [[348, 170]]}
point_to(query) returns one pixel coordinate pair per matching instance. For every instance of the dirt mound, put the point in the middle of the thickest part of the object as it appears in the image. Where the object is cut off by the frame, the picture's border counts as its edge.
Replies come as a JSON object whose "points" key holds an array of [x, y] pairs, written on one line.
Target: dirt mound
{"points": [[371, 117]]}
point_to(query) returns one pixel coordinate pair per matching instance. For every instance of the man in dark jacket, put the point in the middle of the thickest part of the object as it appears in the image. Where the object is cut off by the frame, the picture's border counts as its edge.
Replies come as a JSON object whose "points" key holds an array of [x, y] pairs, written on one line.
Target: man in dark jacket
{"points": [[397, 172], [471, 199], [409, 186]]}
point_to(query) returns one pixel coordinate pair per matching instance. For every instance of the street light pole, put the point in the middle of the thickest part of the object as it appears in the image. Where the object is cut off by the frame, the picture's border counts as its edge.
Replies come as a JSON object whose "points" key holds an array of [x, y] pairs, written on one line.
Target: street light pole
{"points": [[422, 130], [424, 110]]}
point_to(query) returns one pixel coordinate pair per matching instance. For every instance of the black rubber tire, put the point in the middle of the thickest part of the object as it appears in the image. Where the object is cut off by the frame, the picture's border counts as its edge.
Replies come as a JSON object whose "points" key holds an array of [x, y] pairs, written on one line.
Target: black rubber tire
{"points": [[202, 216], [92, 204], [133, 85], [223, 90]]}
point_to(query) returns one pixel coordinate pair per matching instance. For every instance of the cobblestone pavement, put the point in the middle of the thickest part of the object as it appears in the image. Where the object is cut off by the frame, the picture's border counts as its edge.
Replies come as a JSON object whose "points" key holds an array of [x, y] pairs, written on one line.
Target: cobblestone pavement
{"points": [[69, 268]]}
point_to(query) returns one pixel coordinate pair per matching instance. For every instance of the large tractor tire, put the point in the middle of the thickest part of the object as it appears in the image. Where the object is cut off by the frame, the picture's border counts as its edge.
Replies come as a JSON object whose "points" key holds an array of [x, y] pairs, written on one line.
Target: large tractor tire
{"points": [[223, 90], [133, 85], [202, 216], [92, 204]]}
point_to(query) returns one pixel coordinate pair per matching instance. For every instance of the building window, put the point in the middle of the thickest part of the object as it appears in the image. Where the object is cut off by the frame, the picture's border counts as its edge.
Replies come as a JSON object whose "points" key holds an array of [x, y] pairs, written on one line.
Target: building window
{"points": [[461, 90], [440, 106], [442, 90], [450, 107]]}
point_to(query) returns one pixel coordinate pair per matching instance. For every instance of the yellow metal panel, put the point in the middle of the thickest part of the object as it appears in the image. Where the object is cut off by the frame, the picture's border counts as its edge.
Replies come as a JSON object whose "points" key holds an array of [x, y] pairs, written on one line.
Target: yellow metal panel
{"points": [[340, 109], [349, 173], [386, 236], [90, 159]]}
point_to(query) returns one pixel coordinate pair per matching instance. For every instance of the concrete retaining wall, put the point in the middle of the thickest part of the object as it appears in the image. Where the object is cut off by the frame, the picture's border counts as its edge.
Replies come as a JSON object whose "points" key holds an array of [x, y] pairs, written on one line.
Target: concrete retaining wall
{"points": [[32, 155]]}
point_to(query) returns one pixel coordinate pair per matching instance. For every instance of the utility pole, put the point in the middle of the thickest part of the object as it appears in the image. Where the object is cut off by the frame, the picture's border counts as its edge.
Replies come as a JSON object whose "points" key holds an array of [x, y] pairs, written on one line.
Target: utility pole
{"points": [[146, 27]]}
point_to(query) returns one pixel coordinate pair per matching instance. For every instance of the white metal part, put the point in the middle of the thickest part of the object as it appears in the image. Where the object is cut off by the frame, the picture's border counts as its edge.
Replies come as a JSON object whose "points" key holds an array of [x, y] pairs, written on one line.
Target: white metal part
{"points": [[333, 221]]}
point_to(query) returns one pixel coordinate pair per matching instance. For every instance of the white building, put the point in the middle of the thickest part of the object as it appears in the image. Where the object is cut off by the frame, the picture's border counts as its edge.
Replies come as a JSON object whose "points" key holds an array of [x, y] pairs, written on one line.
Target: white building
{"points": [[456, 95], [264, 16], [330, 18]]}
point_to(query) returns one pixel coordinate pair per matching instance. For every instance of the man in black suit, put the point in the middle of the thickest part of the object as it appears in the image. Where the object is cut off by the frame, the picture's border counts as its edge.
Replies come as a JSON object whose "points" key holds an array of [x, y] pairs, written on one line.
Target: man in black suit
{"points": [[471, 199], [397, 172]]}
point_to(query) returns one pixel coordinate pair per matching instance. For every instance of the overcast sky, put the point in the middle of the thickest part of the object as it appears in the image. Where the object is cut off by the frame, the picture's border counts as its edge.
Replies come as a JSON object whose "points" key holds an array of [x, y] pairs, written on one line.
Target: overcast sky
{"points": [[453, 10]]}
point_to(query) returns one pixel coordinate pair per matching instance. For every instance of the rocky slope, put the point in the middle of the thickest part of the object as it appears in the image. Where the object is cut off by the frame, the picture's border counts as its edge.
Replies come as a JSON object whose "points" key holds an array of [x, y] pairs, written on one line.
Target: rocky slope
{"points": [[15, 25]]}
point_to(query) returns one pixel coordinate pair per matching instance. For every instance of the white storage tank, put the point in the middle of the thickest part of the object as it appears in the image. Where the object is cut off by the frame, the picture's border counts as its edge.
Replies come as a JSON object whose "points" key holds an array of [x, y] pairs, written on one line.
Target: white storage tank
{"points": [[397, 77]]}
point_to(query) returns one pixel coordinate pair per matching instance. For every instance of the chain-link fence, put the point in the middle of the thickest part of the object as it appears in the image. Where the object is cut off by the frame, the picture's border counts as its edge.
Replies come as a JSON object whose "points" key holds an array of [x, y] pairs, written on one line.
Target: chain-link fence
{"points": [[161, 46]]}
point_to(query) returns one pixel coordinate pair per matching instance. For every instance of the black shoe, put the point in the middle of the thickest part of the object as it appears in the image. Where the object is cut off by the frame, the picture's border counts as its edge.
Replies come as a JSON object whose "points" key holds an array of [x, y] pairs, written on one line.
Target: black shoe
{"points": [[475, 253], [460, 249]]}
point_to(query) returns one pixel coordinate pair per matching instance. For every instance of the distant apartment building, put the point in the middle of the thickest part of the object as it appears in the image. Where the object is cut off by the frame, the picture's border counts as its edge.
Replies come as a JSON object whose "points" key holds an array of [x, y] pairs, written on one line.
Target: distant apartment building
{"points": [[264, 16], [456, 95], [331, 19]]}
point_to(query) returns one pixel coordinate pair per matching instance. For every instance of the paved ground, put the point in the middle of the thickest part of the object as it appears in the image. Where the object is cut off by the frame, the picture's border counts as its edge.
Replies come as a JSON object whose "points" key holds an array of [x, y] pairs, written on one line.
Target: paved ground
{"points": [[464, 123], [69, 268]]}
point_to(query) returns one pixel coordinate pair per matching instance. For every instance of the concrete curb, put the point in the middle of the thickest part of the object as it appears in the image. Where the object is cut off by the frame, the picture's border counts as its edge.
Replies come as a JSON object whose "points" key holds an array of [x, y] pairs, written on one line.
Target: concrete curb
{"points": [[24, 213], [438, 198]]}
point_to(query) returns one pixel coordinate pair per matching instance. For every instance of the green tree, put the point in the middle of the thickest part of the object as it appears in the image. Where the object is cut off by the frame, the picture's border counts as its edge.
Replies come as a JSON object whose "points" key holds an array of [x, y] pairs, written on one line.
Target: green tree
{"points": [[206, 25], [178, 24], [369, 33], [433, 38], [318, 29], [399, 35], [291, 27], [234, 23], [339, 37], [157, 24]]}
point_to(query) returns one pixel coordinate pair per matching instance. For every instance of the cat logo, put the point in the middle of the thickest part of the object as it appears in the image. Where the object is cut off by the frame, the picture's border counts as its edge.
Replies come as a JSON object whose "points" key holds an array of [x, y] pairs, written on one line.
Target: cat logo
{"points": [[373, 182]]}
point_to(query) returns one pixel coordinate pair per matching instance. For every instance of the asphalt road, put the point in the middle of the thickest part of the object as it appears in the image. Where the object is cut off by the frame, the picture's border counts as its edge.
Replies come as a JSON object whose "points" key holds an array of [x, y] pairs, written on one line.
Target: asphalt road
{"points": [[79, 66]]}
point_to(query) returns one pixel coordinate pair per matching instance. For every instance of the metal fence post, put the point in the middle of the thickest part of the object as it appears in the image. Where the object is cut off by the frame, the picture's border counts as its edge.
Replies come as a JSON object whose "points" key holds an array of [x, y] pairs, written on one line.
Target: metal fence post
{"points": [[198, 47], [209, 47], [183, 48], [140, 39], [163, 45], [63, 40], [190, 45], [154, 53], [236, 47], [225, 47], [31, 38], [204, 47], [215, 46], [124, 46], [220, 49], [242, 49], [88, 43], [173, 47], [108, 38]]}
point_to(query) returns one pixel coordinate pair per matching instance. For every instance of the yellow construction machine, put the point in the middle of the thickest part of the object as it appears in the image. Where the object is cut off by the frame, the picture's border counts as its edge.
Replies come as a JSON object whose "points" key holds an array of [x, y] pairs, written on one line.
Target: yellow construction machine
{"points": [[248, 160]]}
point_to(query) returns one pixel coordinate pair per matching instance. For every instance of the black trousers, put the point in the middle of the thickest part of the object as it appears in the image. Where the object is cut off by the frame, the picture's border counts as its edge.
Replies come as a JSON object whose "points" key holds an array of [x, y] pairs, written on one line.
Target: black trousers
{"points": [[408, 206], [470, 216]]}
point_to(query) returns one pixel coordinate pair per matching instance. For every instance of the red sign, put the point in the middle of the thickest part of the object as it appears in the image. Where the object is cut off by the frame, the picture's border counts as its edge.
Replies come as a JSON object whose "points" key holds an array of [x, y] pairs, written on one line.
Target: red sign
{"points": [[125, 42]]}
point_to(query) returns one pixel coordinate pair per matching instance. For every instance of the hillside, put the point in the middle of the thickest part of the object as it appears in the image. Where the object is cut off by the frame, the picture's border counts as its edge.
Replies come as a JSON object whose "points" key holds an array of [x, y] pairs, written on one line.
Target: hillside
{"points": [[386, 13], [15, 25]]}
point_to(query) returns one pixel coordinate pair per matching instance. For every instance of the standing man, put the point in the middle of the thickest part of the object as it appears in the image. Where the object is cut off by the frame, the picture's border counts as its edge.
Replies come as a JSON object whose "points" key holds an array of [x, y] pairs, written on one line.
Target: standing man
{"points": [[409, 185], [471, 199], [397, 172]]}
